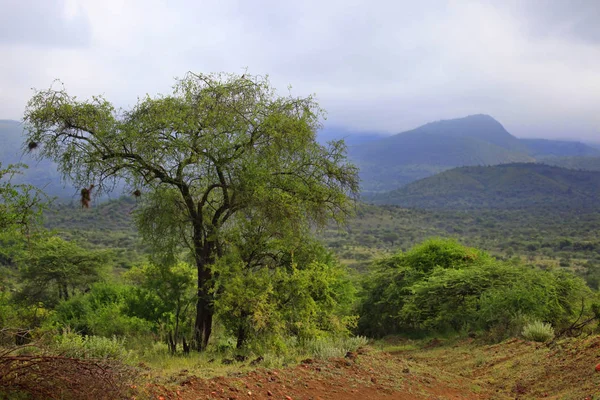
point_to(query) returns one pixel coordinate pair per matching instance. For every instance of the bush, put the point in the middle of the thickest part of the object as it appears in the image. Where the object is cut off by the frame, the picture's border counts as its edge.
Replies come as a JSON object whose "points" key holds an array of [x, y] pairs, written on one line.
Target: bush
{"points": [[538, 331], [72, 345], [305, 294], [443, 287], [103, 311], [333, 347]]}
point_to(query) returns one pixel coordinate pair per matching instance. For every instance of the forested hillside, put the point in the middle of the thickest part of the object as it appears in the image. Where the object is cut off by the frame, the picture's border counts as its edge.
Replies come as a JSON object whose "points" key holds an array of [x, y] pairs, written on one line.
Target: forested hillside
{"points": [[508, 186], [587, 163], [558, 148]]}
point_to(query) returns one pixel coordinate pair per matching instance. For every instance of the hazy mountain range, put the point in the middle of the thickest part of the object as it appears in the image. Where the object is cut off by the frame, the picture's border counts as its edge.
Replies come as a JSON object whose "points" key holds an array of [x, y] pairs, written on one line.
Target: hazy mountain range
{"points": [[387, 162], [394, 161]]}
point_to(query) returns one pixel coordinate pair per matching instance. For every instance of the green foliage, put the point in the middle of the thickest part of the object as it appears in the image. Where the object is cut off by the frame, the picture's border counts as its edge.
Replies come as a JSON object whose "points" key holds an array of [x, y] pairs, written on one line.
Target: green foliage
{"points": [[53, 269], [21, 205], [171, 288], [106, 310], [330, 347], [389, 286], [219, 145], [442, 286], [70, 344], [509, 186], [305, 294], [538, 331]]}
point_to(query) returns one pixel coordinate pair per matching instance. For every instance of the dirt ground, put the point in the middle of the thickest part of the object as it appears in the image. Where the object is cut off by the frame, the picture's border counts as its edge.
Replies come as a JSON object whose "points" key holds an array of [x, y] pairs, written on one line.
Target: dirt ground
{"points": [[366, 376], [512, 370]]}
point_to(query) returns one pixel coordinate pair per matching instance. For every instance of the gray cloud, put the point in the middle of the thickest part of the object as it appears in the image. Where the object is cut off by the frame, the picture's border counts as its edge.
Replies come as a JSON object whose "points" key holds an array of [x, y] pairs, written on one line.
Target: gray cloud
{"points": [[574, 19], [42, 23], [374, 65]]}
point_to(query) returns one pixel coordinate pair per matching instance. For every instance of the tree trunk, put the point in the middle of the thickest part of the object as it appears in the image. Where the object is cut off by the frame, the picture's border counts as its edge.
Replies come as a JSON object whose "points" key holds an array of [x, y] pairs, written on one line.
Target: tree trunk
{"points": [[204, 303], [171, 343], [241, 336], [204, 315]]}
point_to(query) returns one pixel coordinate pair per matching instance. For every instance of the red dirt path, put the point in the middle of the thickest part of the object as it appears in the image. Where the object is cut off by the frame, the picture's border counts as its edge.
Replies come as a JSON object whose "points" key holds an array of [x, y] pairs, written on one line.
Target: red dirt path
{"points": [[369, 377]]}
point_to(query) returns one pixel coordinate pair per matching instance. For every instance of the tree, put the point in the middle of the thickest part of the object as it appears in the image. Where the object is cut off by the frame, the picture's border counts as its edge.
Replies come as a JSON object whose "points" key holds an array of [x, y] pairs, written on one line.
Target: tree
{"points": [[172, 284], [54, 269], [284, 287], [219, 144], [21, 205], [21, 209]]}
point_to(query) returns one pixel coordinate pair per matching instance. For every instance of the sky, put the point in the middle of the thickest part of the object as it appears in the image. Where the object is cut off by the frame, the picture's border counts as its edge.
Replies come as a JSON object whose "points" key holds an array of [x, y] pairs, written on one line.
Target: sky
{"points": [[375, 66]]}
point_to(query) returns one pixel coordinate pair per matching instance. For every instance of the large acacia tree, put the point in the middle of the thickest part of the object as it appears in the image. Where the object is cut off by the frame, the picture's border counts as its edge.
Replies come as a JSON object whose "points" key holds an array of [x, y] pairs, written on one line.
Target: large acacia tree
{"points": [[218, 145]]}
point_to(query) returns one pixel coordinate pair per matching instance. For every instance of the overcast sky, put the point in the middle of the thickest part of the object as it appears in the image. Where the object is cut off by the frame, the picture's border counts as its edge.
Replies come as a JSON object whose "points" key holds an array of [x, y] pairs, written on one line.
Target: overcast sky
{"points": [[384, 66]]}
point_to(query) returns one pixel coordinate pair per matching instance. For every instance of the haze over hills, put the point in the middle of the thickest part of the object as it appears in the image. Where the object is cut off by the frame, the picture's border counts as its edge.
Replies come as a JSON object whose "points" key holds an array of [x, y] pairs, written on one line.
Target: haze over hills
{"points": [[507, 186], [587, 163], [352, 138], [392, 162], [560, 148], [42, 174], [386, 162]]}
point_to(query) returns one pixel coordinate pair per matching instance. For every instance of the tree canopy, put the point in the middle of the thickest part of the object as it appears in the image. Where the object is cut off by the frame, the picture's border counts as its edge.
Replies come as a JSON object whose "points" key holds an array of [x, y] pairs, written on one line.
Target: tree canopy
{"points": [[220, 149]]}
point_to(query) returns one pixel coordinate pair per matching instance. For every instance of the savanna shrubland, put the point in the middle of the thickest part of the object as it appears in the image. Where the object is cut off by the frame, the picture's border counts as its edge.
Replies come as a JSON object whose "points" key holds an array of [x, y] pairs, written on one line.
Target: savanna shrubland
{"points": [[441, 286]]}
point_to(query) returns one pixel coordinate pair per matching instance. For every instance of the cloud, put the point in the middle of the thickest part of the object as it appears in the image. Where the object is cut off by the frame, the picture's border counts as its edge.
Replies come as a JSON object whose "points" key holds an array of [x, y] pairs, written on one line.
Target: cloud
{"points": [[43, 23], [378, 65]]}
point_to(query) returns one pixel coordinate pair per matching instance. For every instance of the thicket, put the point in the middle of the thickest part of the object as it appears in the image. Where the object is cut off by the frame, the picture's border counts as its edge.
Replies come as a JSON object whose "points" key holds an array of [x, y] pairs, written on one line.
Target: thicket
{"points": [[441, 286]]}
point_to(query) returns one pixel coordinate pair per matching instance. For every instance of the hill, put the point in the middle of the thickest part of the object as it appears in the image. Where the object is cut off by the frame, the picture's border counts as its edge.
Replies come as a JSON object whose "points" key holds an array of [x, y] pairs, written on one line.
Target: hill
{"points": [[352, 138], [509, 186], [558, 148], [394, 161], [386, 162], [42, 174], [587, 163], [400, 159]]}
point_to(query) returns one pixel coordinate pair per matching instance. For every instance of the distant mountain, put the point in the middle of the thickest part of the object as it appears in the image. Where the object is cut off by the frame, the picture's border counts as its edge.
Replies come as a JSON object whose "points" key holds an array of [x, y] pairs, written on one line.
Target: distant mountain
{"points": [[558, 148], [508, 186], [595, 145], [394, 161], [352, 138], [386, 162], [582, 163], [42, 174]]}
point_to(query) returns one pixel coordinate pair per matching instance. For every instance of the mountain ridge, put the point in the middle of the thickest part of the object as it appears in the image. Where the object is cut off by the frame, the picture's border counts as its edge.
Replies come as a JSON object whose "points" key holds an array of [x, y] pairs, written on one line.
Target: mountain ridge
{"points": [[395, 161], [386, 162], [506, 186]]}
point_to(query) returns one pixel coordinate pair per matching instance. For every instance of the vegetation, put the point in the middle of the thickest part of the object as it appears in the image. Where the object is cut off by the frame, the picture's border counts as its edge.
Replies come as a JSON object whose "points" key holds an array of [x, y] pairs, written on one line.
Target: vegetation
{"points": [[588, 163], [509, 186], [229, 241], [558, 148], [441, 286], [220, 151], [538, 331]]}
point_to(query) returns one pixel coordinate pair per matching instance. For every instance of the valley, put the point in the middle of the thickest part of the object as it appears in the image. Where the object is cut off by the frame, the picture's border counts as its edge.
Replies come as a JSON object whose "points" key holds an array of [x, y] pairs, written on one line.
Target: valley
{"points": [[471, 198]]}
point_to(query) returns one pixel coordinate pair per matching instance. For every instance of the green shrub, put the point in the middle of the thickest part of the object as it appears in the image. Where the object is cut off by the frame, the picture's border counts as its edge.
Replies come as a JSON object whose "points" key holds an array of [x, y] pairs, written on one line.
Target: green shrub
{"points": [[443, 287], [538, 331], [70, 344], [333, 346], [103, 311]]}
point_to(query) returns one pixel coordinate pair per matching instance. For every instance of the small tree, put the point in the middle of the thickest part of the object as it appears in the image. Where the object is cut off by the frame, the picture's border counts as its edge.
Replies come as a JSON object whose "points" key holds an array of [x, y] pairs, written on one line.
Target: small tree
{"points": [[218, 145], [20, 205], [54, 269], [173, 285]]}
